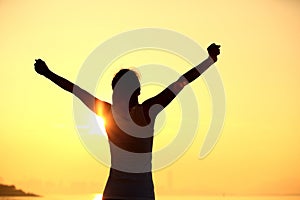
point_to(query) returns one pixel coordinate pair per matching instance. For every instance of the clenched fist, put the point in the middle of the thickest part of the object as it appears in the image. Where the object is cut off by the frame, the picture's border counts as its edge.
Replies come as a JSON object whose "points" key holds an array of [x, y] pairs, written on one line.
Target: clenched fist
{"points": [[214, 51], [41, 67]]}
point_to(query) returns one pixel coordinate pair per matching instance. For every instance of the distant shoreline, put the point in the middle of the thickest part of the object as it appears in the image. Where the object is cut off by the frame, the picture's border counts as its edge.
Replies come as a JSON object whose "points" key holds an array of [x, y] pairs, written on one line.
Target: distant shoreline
{"points": [[11, 190]]}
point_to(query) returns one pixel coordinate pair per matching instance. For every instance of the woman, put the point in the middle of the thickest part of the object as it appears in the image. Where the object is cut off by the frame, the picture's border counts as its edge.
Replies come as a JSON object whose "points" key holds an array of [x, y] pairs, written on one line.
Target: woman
{"points": [[130, 125]]}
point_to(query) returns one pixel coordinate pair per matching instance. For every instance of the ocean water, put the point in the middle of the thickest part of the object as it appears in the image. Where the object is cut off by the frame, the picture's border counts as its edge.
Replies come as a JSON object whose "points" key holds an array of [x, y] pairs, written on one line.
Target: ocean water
{"points": [[98, 197]]}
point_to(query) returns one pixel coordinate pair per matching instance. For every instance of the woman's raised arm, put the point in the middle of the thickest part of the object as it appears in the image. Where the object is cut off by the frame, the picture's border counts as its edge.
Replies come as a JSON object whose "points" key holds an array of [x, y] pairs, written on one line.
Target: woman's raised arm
{"points": [[160, 101], [94, 104]]}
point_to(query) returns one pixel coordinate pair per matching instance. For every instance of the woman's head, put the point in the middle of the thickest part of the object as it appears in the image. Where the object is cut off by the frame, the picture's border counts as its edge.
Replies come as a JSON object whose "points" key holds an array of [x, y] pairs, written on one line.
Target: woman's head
{"points": [[126, 85], [128, 77]]}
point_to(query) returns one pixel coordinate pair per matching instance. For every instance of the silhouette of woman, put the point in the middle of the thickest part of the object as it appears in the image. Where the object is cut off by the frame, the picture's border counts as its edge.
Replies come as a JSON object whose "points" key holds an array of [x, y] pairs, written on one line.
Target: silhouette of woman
{"points": [[130, 125]]}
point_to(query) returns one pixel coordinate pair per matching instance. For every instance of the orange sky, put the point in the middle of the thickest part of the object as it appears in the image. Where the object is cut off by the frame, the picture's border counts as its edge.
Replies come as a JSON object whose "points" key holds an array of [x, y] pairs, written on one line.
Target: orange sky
{"points": [[258, 151]]}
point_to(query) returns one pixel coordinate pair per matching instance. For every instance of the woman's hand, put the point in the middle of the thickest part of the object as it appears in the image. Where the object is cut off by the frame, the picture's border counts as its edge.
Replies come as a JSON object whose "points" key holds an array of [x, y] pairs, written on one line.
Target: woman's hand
{"points": [[41, 67], [214, 51]]}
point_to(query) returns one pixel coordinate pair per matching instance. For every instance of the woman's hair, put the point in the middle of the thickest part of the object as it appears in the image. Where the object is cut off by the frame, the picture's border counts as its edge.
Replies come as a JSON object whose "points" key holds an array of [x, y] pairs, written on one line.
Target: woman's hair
{"points": [[121, 73]]}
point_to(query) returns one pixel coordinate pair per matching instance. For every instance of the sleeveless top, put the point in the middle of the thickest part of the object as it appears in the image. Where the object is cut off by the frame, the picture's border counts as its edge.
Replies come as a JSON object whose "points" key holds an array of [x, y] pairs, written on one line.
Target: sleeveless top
{"points": [[130, 141]]}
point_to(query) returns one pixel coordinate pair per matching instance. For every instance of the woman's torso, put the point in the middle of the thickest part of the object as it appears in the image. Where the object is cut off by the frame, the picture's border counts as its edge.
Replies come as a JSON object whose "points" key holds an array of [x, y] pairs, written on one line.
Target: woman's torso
{"points": [[130, 140]]}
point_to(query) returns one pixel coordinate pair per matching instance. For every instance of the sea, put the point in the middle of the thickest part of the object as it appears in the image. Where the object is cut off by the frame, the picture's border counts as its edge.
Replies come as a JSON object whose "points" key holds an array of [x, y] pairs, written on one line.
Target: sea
{"points": [[99, 197]]}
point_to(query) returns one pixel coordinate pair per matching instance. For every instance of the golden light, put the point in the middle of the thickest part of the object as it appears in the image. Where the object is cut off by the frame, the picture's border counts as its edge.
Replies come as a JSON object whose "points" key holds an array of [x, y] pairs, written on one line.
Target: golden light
{"points": [[259, 67], [101, 123], [98, 197]]}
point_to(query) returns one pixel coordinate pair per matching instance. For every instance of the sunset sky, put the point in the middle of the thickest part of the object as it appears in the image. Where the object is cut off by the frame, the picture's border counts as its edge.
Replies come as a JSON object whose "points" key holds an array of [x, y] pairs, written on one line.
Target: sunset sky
{"points": [[259, 150]]}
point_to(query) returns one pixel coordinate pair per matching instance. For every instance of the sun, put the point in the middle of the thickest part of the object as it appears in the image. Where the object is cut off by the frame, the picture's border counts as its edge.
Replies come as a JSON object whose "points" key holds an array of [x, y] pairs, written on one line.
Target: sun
{"points": [[101, 124], [98, 197]]}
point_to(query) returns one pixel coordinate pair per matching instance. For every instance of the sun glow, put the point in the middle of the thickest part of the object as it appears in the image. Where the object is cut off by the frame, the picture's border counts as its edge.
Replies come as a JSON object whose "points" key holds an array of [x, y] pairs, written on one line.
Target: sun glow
{"points": [[98, 197], [101, 123]]}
